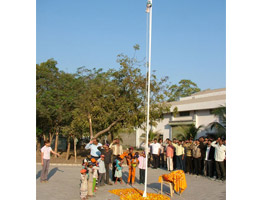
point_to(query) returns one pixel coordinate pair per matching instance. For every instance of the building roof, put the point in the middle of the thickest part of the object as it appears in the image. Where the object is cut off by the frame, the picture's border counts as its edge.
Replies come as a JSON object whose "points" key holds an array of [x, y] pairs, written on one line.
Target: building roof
{"points": [[207, 99], [208, 91]]}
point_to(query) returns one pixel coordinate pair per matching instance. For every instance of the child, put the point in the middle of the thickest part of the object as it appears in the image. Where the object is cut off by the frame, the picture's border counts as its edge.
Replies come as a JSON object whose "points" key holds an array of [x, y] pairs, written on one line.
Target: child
{"points": [[95, 174], [45, 158], [118, 172], [84, 163], [102, 171], [90, 179], [83, 185], [132, 164], [142, 166]]}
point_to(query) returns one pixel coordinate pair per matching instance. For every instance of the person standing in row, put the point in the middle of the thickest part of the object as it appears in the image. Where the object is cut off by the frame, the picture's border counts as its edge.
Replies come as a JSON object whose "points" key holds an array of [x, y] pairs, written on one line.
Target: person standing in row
{"points": [[174, 143], [209, 159], [155, 152], [102, 170], [179, 154], [188, 152], [142, 167], [108, 160], [46, 151], [169, 155], [220, 156], [117, 149], [203, 148], [161, 157], [197, 157], [93, 146]]}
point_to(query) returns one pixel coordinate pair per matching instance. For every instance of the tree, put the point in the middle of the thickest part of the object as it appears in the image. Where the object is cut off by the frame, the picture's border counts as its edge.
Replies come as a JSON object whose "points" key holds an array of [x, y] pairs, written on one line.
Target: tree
{"points": [[220, 126], [189, 131], [184, 89], [116, 99], [55, 97]]}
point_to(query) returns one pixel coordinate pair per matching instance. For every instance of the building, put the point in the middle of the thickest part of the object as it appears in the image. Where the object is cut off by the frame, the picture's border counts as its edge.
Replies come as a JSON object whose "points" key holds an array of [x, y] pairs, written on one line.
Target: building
{"points": [[195, 109]]}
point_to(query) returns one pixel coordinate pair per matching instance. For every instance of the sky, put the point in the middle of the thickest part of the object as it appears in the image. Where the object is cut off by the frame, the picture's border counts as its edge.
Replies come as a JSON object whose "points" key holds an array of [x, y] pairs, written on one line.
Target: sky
{"points": [[188, 36]]}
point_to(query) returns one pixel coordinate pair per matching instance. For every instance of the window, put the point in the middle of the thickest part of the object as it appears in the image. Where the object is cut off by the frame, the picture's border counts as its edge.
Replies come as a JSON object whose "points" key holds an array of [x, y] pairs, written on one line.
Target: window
{"points": [[186, 113]]}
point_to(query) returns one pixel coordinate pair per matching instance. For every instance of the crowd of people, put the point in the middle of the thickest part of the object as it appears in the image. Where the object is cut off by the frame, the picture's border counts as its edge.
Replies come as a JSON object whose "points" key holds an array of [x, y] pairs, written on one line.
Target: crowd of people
{"points": [[201, 157], [95, 169]]}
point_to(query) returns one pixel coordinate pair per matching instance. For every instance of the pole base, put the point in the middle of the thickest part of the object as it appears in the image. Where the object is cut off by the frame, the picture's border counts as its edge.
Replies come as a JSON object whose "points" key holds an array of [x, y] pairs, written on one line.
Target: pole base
{"points": [[144, 194]]}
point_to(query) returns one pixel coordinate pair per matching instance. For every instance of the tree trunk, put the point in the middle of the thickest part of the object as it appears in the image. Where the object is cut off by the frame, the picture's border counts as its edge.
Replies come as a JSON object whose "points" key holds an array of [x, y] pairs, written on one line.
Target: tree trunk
{"points": [[44, 137], [39, 143], [51, 137], [90, 126], [68, 148], [108, 128], [56, 143], [75, 148]]}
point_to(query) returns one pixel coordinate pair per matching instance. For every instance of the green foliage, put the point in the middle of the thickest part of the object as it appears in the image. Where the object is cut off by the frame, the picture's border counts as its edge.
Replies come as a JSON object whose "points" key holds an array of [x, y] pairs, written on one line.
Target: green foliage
{"points": [[184, 89], [110, 101], [220, 126], [189, 131], [56, 92]]}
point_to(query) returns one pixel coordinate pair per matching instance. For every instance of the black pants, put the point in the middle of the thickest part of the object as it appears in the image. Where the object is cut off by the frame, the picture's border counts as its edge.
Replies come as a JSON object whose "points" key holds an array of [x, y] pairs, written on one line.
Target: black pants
{"points": [[197, 165], [114, 168], [208, 168], [179, 162], [189, 164], [220, 168], [142, 175], [155, 160], [202, 166], [107, 173], [162, 160]]}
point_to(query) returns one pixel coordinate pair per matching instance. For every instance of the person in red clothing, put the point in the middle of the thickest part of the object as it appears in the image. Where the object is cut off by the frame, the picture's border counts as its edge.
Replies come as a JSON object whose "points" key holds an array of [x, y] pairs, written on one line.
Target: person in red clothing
{"points": [[169, 155]]}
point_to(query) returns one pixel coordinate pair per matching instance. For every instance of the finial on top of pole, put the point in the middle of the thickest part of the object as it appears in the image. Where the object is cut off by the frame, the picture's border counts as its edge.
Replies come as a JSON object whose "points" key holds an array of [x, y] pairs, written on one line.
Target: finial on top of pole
{"points": [[148, 6]]}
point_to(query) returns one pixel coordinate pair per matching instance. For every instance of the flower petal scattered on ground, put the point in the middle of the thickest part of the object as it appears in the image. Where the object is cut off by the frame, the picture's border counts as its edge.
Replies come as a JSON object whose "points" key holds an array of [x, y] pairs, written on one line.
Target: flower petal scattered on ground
{"points": [[135, 194]]}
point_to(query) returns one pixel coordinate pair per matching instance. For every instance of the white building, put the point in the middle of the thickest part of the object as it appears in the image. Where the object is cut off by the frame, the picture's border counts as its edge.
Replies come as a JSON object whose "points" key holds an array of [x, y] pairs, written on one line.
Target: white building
{"points": [[195, 109]]}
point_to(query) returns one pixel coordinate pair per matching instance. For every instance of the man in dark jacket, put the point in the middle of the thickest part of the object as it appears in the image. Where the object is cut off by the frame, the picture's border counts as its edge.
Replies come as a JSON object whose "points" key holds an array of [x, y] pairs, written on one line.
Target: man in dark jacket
{"points": [[202, 147], [209, 160], [108, 154]]}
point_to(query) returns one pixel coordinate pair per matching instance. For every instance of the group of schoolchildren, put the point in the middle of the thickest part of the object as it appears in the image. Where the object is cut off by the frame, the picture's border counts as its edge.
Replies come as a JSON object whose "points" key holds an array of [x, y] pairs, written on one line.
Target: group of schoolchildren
{"points": [[93, 171]]}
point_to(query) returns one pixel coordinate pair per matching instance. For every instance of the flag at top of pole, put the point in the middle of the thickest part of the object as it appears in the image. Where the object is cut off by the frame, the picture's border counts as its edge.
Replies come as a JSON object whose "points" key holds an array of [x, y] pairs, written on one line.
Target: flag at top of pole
{"points": [[149, 12]]}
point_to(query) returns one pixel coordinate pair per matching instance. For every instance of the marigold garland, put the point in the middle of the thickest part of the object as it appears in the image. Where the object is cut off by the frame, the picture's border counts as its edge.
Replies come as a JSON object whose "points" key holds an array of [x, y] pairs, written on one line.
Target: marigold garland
{"points": [[135, 194]]}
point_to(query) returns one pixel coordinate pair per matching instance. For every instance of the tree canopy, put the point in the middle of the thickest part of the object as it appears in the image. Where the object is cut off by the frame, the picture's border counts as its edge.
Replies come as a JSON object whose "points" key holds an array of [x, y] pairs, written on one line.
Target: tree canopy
{"points": [[94, 102], [184, 89]]}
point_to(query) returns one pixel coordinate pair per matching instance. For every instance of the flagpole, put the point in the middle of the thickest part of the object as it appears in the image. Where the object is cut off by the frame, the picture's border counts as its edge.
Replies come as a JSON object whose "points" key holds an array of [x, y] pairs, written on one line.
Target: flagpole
{"points": [[149, 3]]}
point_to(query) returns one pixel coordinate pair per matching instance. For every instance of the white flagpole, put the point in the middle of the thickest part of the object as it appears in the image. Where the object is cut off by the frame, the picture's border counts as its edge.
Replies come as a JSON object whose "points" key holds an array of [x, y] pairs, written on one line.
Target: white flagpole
{"points": [[148, 97]]}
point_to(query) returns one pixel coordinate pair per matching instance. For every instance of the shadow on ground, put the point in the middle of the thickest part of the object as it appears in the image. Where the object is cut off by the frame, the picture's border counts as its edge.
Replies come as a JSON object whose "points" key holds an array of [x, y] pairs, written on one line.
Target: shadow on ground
{"points": [[50, 174]]}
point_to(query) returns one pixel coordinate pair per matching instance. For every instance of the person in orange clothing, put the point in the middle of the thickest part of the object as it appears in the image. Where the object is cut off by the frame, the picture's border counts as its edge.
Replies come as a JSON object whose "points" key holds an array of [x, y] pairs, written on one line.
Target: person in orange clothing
{"points": [[132, 162]]}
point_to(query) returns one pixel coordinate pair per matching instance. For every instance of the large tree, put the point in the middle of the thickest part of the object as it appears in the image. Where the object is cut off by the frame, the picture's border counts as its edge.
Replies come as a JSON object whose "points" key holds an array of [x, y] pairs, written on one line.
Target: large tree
{"points": [[55, 98], [116, 99]]}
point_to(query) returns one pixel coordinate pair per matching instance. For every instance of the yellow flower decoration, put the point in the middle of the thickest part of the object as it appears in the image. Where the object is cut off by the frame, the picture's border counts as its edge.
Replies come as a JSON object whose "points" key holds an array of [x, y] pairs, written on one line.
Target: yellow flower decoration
{"points": [[135, 194]]}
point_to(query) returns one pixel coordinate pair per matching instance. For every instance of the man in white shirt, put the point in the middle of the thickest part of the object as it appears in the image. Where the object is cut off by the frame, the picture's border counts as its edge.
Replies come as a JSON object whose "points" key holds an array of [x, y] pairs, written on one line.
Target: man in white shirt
{"points": [[155, 152], [93, 146], [46, 150], [220, 156]]}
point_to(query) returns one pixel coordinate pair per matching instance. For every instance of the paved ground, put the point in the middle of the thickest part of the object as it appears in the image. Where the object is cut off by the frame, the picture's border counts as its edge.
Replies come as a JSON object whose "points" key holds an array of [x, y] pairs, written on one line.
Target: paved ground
{"points": [[64, 185]]}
